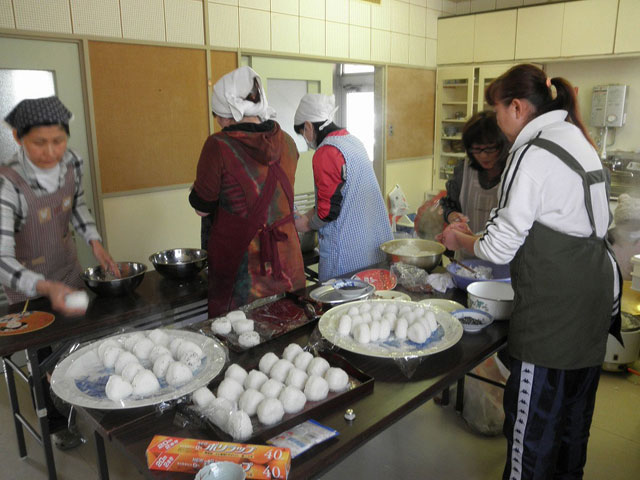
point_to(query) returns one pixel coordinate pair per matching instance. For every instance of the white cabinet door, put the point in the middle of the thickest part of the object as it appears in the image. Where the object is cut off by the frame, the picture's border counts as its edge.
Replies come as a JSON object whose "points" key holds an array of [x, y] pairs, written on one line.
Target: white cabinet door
{"points": [[455, 40], [539, 33], [628, 33], [589, 27], [495, 36]]}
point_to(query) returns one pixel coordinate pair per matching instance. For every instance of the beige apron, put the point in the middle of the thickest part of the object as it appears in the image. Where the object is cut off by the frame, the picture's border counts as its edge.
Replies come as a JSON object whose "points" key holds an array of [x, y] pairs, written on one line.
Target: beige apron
{"points": [[44, 244]]}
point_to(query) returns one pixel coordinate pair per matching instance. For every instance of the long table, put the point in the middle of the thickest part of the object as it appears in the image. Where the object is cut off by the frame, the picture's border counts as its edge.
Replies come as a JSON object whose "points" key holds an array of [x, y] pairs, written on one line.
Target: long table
{"points": [[156, 301], [394, 396]]}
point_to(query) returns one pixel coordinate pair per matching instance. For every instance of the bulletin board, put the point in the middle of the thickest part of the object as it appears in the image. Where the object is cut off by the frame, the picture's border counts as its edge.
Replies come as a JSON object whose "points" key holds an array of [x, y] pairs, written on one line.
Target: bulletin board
{"points": [[151, 114], [410, 112], [221, 64]]}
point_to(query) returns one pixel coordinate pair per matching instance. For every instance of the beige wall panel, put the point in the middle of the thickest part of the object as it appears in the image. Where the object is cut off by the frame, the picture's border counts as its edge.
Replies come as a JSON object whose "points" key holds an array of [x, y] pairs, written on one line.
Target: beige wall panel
{"points": [[337, 11], [628, 32], [259, 4], [455, 40], [539, 32], [421, 3], [380, 46], [417, 21], [143, 19], [410, 111], [495, 36], [284, 33], [223, 26], [185, 22], [290, 7], [413, 176], [337, 40], [151, 114], [399, 17], [482, 5], [417, 51], [359, 13], [49, 16], [312, 9], [96, 17], [312, 36], [432, 23], [225, 2], [399, 48], [588, 27], [6, 14], [255, 29], [381, 15], [432, 52], [359, 43]]}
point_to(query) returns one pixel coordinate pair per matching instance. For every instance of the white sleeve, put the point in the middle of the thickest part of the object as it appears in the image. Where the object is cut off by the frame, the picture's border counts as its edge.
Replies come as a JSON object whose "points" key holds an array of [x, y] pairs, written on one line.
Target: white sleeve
{"points": [[511, 221]]}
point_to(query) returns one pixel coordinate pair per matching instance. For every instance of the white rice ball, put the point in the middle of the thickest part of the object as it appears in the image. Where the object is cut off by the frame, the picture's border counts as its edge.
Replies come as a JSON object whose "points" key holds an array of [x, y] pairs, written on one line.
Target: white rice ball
{"points": [[230, 389], [296, 378], [249, 339], [410, 316], [401, 328], [353, 311], [431, 318], [221, 326], [159, 337], [356, 320], [344, 325], [419, 312], [318, 366], [375, 315], [316, 388], [143, 348], [364, 308], [374, 331], [404, 309], [271, 388], [385, 330], [219, 411], [236, 372], [130, 371], [267, 361], [110, 356], [236, 315], [174, 344], [255, 379], [157, 352], [124, 359], [202, 397], [131, 339], [391, 308], [78, 300], [391, 318], [239, 426], [191, 360], [270, 411], [117, 389], [416, 333], [178, 374], [280, 370], [145, 383], [188, 346], [241, 326], [292, 399], [249, 401], [362, 334], [337, 379], [377, 307], [425, 324], [291, 351], [302, 360], [366, 317], [106, 344], [161, 365]]}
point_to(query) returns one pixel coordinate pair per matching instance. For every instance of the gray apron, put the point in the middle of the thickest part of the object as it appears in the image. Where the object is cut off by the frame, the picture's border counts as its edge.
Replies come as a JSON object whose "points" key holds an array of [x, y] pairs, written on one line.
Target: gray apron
{"points": [[563, 290], [44, 244]]}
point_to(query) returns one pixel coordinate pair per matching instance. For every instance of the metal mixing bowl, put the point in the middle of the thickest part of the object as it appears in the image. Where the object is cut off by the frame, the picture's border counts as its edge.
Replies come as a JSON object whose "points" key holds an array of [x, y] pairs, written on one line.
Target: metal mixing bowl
{"points": [[308, 240], [179, 263], [106, 284], [414, 251]]}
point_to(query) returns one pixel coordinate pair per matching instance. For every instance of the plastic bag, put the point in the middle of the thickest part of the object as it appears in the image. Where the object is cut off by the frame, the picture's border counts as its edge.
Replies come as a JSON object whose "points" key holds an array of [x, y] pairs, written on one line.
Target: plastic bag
{"points": [[398, 206], [429, 222], [483, 410]]}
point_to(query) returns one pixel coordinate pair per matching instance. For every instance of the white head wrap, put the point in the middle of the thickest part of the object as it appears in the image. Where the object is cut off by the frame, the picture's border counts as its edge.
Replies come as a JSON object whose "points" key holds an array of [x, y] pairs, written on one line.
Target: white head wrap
{"points": [[316, 107], [229, 93]]}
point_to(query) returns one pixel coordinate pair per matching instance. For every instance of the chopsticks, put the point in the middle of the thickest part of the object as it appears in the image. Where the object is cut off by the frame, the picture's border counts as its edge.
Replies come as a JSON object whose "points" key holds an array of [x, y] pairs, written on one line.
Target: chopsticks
{"points": [[453, 260], [26, 304]]}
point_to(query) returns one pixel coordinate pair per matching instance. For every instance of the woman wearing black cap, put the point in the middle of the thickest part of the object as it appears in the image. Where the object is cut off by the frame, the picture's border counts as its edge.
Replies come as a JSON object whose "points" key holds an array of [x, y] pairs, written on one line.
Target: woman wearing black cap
{"points": [[40, 194]]}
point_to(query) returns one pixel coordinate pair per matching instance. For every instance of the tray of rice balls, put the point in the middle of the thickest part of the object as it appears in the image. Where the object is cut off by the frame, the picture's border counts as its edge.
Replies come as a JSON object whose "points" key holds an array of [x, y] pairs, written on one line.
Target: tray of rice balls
{"points": [[241, 330], [278, 393], [390, 328], [138, 369]]}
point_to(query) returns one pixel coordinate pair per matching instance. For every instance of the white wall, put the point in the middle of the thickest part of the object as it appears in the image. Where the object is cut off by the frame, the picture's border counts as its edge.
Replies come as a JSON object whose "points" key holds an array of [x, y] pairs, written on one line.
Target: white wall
{"points": [[586, 74], [413, 176]]}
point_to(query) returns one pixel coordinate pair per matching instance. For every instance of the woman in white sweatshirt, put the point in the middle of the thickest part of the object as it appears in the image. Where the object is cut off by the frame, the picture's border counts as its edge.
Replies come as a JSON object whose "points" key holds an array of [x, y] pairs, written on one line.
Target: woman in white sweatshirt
{"points": [[550, 226]]}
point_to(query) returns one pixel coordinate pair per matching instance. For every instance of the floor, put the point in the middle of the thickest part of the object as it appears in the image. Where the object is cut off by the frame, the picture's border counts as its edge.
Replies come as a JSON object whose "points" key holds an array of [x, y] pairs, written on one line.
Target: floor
{"points": [[431, 439]]}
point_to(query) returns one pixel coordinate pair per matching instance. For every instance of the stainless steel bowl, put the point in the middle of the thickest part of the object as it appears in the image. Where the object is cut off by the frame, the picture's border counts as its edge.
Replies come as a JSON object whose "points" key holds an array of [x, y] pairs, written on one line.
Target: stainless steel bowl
{"points": [[415, 251], [308, 240], [179, 263], [106, 284]]}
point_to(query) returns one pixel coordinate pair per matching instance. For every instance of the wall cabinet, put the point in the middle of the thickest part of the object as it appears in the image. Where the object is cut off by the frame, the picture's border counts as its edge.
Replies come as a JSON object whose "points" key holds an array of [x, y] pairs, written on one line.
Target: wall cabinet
{"points": [[459, 94], [455, 40], [628, 33], [539, 32], [589, 27], [494, 36]]}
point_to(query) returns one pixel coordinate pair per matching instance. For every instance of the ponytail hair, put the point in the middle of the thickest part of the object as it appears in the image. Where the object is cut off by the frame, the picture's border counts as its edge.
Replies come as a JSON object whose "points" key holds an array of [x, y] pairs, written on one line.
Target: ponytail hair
{"points": [[530, 83]]}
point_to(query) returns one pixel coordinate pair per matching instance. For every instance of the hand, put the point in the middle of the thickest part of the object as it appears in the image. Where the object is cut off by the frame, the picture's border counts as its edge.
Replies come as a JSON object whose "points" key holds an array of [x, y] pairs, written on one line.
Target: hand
{"points": [[455, 217], [56, 292], [449, 238], [460, 227], [105, 259], [302, 223]]}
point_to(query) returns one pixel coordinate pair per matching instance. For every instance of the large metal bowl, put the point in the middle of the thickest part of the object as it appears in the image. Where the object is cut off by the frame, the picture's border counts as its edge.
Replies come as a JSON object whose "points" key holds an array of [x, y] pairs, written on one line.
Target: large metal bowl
{"points": [[179, 263], [106, 284], [308, 240], [414, 251]]}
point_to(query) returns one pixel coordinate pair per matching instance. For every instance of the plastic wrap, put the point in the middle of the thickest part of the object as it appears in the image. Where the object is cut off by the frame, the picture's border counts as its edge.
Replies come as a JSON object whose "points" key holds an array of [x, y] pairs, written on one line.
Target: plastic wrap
{"points": [[483, 409], [429, 222], [412, 278]]}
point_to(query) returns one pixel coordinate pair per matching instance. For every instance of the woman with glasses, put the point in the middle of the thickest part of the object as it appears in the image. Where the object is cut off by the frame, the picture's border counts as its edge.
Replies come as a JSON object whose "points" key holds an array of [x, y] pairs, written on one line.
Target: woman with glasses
{"points": [[473, 190]]}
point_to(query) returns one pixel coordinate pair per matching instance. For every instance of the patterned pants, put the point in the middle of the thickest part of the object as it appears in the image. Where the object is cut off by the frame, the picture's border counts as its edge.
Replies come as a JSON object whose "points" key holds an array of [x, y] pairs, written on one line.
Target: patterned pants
{"points": [[548, 415]]}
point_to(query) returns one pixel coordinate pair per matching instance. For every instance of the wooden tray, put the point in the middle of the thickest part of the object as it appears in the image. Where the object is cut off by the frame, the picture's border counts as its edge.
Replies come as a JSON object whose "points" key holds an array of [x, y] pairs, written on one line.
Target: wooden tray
{"points": [[361, 385]]}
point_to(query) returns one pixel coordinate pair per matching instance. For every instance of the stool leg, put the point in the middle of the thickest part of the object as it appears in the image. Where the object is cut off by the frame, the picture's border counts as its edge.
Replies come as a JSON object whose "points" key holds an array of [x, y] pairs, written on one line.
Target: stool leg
{"points": [[15, 408], [460, 395], [103, 467]]}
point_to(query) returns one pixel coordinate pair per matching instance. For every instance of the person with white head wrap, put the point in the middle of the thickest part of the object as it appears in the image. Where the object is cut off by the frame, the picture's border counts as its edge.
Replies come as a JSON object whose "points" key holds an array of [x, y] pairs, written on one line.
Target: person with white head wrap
{"points": [[244, 192], [349, 213], [41, 193]]}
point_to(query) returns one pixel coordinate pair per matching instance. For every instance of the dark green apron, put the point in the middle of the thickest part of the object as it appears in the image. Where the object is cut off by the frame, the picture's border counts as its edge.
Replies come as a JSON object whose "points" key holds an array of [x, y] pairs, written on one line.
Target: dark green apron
{"points": [[563, 290]]}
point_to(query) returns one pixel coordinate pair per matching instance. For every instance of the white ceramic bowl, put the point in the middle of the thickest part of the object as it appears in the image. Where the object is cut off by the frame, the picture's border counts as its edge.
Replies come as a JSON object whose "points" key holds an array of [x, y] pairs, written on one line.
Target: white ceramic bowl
{"points": [[495, 298], [479, 319], [221, 471]]}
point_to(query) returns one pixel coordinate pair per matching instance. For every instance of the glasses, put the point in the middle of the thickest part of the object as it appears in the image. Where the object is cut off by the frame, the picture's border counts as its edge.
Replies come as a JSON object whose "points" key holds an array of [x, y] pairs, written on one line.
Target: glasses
{"points": [[489, 149]]}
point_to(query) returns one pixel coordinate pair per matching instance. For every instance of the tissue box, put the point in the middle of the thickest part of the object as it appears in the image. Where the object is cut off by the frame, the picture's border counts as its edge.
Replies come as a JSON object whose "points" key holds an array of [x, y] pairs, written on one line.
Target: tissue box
{"points": [[188, 455]]}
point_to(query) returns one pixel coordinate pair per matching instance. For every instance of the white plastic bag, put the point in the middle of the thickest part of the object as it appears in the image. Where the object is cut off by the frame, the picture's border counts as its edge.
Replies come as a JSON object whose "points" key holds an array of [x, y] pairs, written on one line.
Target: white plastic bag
{"points": [[483, 410]]}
